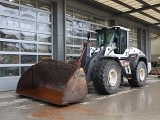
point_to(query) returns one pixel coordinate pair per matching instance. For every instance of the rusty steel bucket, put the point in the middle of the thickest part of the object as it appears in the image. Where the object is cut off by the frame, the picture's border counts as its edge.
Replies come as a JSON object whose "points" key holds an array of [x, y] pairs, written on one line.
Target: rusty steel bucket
{"points": [[53, 81]]}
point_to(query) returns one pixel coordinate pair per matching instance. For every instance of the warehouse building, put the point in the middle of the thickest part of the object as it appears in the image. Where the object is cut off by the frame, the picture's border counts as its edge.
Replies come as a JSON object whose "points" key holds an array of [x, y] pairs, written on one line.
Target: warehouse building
{"points": [[34, 30]]}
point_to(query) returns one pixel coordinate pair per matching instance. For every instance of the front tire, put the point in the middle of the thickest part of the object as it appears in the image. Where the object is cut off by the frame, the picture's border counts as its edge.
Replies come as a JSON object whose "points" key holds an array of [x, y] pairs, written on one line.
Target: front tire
{"points": [[106, 76], [139, 76]]}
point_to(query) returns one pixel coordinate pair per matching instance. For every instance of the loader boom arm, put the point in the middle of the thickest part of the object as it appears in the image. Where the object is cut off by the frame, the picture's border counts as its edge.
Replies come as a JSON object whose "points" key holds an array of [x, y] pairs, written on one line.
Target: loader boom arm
{"points": [[79, 60]]}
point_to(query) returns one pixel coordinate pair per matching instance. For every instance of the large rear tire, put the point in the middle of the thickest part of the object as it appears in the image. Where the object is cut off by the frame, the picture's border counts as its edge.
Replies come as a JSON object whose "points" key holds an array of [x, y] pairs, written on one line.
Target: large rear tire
{"points": [[106, 76], [139, 76]]}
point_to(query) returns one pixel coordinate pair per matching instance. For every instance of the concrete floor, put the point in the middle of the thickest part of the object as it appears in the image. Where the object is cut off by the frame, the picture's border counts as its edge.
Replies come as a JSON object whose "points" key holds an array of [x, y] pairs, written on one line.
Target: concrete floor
{"points": [[128, 104]]}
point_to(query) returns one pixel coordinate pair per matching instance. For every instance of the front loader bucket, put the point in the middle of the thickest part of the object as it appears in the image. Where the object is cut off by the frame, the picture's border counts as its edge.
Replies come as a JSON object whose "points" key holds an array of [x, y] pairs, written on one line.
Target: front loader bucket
{"points": [[53, 81]]}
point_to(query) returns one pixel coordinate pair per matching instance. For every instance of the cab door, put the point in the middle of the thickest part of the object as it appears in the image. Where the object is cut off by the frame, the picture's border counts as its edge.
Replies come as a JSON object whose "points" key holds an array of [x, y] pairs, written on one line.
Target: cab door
{"points": [[121, 42]]}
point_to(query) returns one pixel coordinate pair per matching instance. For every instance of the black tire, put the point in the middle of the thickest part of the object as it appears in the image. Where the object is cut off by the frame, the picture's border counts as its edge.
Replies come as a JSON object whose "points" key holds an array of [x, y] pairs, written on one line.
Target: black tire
{"points": [[104, 70], [139, 76]]}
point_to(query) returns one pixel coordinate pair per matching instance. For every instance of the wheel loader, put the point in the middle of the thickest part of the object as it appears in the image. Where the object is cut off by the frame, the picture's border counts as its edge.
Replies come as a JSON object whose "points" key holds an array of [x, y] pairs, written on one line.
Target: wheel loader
{"points": [[105, 65]]}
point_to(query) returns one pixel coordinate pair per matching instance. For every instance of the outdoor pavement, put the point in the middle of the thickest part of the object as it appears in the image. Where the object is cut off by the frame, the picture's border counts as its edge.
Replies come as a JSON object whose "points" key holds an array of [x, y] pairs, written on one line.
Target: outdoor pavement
{"points": [[128, 104]]}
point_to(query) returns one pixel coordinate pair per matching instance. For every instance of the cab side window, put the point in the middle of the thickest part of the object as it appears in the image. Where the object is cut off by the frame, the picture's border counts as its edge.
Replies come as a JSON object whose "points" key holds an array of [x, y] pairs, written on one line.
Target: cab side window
{"points": [[101, 39], [123, 39]]}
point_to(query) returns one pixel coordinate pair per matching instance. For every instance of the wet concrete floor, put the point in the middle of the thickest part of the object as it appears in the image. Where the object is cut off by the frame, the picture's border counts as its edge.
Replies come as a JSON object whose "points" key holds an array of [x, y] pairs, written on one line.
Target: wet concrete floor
{"points": [[128, 104]]}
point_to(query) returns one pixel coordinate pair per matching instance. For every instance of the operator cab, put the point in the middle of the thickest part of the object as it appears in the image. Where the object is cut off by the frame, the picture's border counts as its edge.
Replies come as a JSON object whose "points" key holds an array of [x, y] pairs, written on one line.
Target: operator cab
{"points": [[113, 35]]}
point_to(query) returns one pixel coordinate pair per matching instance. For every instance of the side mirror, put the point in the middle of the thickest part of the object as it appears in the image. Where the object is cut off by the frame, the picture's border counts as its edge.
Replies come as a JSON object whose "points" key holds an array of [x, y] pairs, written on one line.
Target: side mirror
{"points": [[88, 35]]}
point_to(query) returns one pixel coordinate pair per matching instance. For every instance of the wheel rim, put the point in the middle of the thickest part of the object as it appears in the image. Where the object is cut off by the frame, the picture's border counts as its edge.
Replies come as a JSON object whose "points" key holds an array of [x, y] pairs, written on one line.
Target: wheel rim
{"points": [[112, 77], [142, 74]]}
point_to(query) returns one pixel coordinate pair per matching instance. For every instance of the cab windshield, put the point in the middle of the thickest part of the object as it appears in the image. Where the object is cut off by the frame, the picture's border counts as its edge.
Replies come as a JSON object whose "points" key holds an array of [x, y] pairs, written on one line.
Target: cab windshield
{"points": [[105, 37]]}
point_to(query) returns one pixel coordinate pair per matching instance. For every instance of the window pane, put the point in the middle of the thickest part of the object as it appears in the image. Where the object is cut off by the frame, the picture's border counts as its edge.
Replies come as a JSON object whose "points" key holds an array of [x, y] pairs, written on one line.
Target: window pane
{"points": [[94, 27], [69, 22], [94, 35], [30, 3], [44, 6], [77, 41], [78, 33], [99, 27], [101, 21], [69, 31], [23, 69], [9, 34], [77, 50], [69, 13], [10, 22], [70, 50], [44, 38], [86, 17], [94, 19], [9, 46], [94, 43], [44, 17], [78, 24], [133, 35], [134, 42], [86, 26], [1, 72], [14, 1], [28, 36], [85, 34], [27, 13], [44, 48], [28, 47], [28, 59], [9, 59], [8, 9], [69, 40], [44, 57], [44, 27], [71, 58], [77, 15], [30, 25], [9, 71]]}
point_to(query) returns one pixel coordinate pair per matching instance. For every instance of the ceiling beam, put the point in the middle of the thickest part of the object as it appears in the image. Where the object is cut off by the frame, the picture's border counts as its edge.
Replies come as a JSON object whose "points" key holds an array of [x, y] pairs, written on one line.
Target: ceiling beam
{"points": [[123, 4], [146, 4], [154, 24], [141, 9], [143, 13]]}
